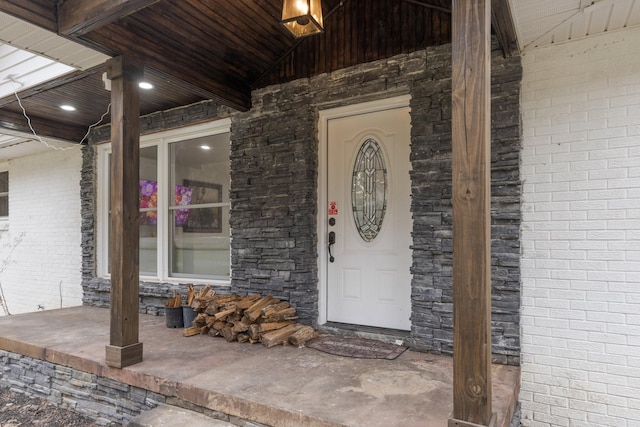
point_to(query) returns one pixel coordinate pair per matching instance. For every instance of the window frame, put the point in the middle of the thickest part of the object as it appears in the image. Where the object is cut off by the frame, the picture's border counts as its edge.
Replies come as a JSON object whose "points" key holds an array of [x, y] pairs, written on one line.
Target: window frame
{"points": [[4, 220], [162, 140]]}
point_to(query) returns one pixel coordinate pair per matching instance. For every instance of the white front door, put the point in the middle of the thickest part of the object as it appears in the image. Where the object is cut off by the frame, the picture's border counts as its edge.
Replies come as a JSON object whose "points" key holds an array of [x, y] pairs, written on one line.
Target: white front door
{"points": [[369, 219]]}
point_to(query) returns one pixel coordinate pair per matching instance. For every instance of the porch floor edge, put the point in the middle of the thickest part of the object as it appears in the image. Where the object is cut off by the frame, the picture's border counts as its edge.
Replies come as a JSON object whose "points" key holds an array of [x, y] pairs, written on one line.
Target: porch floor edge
{"points": [[281, 386]]}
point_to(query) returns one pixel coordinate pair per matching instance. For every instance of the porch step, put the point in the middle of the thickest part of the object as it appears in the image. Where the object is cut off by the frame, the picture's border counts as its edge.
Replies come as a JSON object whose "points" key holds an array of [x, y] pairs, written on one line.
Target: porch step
{"points": [[170, 416]]}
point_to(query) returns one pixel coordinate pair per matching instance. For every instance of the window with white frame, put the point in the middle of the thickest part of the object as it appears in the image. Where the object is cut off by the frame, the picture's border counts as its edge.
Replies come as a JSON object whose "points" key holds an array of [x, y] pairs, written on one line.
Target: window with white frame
{"points": [[4, 194], [184, 204]]}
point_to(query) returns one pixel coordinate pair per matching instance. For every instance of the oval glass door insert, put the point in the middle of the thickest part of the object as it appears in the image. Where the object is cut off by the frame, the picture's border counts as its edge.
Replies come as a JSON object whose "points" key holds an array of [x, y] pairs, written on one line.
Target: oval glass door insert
{"points": [[369, 190]]}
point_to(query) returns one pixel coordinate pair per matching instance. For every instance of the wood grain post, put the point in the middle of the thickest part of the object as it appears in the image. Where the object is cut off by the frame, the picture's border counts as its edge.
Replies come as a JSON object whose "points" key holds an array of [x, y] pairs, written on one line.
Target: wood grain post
{"points": [[471, 134], [124, 348]]}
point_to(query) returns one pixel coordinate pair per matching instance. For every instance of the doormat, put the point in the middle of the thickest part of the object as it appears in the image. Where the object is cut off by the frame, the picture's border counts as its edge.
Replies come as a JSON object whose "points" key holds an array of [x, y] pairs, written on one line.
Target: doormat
{"points": [[356, 347]]}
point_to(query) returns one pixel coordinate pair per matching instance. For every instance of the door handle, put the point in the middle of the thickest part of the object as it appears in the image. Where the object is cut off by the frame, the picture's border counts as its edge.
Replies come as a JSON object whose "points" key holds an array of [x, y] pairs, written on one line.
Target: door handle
{"points": [[332, 241]]}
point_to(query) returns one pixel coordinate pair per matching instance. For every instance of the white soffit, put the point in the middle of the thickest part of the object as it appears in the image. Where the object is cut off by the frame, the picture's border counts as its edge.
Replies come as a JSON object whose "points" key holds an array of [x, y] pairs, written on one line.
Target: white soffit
{"points": [[544, 22], [31, 55], [14, 145]]}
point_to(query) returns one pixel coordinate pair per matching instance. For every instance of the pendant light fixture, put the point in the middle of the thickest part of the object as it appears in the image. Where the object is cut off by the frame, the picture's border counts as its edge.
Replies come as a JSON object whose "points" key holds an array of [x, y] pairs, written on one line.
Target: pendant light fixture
{"points": [[302, 17]]}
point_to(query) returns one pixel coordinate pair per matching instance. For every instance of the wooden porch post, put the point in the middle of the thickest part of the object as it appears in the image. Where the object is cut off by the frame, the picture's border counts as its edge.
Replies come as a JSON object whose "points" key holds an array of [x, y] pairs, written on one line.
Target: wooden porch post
{"points": [[124, 348], [471, 134]]}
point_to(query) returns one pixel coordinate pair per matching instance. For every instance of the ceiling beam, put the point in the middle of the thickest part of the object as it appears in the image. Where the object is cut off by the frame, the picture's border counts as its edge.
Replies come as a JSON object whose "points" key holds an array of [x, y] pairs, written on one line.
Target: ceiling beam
{"points": [[115, 40], [32, 12], [226, 94], [78, 17], [16, 122], [504, 27]]}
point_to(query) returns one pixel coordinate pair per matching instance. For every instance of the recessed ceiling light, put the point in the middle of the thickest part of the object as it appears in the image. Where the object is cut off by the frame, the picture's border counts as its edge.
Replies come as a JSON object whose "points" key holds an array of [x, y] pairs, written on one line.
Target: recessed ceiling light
{"points": [[205, 147], [68, 107], [145, 85]]}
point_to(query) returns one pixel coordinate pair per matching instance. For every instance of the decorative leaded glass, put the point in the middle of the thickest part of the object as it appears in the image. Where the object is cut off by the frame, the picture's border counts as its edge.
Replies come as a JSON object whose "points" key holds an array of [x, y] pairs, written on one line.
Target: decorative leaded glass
{"points": [[369, 190]]}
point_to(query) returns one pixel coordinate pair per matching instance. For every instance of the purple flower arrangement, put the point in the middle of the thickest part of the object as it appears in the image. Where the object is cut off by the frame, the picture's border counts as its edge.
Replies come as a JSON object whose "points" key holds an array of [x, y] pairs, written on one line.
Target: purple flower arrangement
{"points": [[149, 199]]}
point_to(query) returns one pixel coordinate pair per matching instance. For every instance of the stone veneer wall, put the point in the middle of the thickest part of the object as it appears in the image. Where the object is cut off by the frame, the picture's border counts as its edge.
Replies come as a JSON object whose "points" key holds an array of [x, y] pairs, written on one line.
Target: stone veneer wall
{"points": [[274, 163], [107, 401], [274, 173], [432, 290], [102, 399]]}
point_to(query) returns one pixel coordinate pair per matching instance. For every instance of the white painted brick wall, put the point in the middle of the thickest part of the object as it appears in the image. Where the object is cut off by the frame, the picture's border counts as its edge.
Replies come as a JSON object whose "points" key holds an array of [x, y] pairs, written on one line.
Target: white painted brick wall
{"points": [[44, 212], [581, 233]]}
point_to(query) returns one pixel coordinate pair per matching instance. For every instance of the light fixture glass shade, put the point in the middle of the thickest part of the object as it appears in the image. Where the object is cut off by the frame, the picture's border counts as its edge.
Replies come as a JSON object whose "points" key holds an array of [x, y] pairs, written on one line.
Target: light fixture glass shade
{"points": [[302, 17]]}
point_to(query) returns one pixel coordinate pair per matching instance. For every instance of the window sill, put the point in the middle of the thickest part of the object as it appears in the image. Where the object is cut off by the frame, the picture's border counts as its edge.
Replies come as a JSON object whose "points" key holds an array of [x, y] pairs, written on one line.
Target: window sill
{"points": [[181, 281]]}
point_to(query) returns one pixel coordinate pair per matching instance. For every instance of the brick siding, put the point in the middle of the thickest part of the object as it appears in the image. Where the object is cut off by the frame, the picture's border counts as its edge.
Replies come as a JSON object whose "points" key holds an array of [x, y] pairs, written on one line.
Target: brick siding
{"points": [[40, 245], [581, 233]]}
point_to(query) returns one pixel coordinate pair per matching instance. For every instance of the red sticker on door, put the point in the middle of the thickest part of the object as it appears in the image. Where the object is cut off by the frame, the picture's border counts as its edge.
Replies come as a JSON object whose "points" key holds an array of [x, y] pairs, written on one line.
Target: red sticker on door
{"points": [[333, 208]]}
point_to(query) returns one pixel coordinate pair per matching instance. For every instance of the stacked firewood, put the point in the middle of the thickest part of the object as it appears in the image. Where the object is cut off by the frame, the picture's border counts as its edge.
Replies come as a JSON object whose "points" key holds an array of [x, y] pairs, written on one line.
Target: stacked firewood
{"points": [[250, 318], [175, 301]]}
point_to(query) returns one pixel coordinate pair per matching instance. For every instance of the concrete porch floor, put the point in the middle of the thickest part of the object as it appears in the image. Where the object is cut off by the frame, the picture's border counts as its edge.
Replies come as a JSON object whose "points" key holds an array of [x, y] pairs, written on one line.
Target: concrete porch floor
{"points": [[281, 386]]}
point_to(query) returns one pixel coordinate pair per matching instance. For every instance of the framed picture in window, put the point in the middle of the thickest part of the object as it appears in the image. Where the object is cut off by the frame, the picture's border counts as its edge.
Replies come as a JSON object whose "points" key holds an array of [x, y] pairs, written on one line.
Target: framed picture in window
{"points": [[203, 219]]}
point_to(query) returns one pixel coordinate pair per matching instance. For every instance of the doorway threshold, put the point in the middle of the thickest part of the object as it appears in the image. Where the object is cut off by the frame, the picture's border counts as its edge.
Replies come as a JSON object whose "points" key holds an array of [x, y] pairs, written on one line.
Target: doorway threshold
{"points": [[391, 336]]}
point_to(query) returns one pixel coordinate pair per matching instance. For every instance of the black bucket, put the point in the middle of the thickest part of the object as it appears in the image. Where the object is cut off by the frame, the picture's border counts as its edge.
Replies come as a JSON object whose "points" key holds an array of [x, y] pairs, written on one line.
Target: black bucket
{"points": [[188, 314], [173, 317]]}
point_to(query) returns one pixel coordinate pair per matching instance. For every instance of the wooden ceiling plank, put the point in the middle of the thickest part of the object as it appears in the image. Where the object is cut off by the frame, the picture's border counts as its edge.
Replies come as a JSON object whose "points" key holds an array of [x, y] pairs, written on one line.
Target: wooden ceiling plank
{"points": [[194, 42], [251, 14], [201, 41], [396, 24], [267, 6], [52, 84], [77, 17], [181, 67], [409, 32], [393, 30], [341, 30], [430, 6], [236, 97], [87, 94], [227, 13], [353, 52], [504, 27], [370, 31], [165, 95], [12, 121]]}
